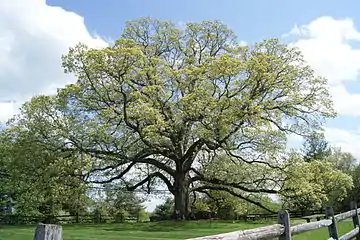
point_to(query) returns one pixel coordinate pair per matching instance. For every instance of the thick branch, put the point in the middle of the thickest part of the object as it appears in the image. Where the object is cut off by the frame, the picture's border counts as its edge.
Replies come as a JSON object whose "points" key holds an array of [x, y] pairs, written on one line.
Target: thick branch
{"points": [[141, 157], [190, 154], [119, 176], [157, 164], [151, 176], [201, 189], [254, 161], [100, 169], [201, 177]]}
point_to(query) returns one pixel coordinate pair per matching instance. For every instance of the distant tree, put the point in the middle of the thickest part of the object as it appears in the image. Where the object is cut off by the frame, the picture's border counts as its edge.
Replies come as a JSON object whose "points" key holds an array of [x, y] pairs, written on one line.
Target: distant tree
{"points": [[354, 194], [122, 203], [223, 204], [164, 211], [40, 181], [343, 161], [315, 184], [5, 176], [316, 147]]}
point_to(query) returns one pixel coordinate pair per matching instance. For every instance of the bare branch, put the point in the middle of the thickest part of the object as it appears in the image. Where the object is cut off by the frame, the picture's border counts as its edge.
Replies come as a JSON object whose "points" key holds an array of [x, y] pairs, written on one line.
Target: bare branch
{"points": [[119, 176], [148, 179], [254, 161]]}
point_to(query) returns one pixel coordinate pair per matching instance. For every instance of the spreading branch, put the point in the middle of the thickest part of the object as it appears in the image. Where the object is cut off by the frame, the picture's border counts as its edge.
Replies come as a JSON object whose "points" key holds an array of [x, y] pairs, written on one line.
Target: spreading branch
{"points": [[202, 178], [119, 176], [225, 189], [149, 178]]}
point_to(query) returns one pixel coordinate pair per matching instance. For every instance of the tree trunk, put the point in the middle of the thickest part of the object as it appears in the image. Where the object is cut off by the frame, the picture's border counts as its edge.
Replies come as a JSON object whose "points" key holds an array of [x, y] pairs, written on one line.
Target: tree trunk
{"points": [[181, 195]]}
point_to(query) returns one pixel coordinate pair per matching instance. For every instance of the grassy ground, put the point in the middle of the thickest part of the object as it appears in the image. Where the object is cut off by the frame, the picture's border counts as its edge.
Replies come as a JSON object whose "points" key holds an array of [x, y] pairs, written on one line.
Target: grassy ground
{"points": [[151, 231]]}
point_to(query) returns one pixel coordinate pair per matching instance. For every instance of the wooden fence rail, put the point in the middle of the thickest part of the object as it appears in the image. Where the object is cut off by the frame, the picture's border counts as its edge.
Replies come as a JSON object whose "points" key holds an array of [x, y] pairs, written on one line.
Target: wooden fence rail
{"points": [[283, 230], [14, 219]]}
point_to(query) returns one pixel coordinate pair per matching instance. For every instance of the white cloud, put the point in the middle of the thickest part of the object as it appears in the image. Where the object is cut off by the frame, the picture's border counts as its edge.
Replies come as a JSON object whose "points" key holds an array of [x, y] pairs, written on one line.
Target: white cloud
{"points": [[7, 110], [328, 46], [325, 43], [33, 36], [348, 141], [346, 103]]}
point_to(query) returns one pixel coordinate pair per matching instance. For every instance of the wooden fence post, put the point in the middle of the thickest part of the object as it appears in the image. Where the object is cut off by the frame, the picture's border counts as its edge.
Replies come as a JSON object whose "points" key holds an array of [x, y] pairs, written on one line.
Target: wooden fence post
{"points": [[97, 217], [77, 218], [284, 219], [333, 233], [48, 232], [355, 218]]}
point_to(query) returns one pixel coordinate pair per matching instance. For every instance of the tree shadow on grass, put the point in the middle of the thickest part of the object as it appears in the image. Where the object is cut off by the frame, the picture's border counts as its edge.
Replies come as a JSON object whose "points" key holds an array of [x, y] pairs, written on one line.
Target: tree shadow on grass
{"points": [[170, 226], [150, 227]]}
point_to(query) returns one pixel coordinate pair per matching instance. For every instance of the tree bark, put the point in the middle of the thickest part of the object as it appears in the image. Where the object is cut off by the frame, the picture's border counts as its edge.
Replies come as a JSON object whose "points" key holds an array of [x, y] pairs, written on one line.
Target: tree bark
{"points": [[181, 195]]}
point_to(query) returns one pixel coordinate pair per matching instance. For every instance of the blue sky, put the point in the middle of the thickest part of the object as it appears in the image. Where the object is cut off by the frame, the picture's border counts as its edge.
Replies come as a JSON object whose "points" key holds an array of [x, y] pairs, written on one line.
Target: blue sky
{"points": [[251, 20], [35, 33]]}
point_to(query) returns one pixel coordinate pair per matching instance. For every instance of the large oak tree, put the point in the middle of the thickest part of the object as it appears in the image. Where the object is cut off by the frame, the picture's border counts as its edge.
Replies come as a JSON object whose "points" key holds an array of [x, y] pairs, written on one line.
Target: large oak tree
{"points": [[162, 103]]}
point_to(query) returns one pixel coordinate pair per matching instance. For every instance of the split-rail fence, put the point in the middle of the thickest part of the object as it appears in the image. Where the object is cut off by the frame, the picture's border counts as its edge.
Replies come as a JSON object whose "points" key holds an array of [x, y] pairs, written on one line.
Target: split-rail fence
{"points": [[284, 231]]}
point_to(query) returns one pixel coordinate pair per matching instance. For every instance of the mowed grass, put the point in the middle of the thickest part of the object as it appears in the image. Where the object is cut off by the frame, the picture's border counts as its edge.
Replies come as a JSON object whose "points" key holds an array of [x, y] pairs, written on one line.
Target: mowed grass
{"points": [[158, 230]]}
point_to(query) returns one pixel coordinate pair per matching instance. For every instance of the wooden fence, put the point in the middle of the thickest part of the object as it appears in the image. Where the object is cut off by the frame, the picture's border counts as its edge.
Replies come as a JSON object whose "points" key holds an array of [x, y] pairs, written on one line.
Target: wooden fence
{"points": [[283, 231], [14, 219]]}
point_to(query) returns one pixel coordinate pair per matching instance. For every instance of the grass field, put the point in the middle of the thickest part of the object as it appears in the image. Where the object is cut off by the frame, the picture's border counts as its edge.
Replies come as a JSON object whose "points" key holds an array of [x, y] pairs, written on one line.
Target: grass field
{"points": [[151, 231]]}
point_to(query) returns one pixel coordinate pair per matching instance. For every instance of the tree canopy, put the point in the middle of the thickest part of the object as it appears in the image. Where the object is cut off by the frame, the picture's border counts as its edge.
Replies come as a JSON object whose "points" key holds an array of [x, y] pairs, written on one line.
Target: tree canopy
{"points": [[171, 105], [328, 177], [315, 184], [40, 181]]}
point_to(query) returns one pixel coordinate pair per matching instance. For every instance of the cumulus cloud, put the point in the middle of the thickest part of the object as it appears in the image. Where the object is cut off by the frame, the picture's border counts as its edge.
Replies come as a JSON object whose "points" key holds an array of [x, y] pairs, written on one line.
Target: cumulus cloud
{"points": [[326, 46], [33, 36], [347, 141], [347, 104], [7, 110]]}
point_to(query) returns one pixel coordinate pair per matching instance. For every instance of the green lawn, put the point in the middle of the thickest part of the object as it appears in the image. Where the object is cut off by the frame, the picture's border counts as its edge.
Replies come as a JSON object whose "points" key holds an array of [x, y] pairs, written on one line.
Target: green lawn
{"points": [[159, 230]]}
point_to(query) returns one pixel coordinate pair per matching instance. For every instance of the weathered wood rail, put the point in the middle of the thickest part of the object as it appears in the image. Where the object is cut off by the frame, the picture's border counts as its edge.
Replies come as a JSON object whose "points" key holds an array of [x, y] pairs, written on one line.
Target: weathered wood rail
{"points": [[48, 232], [283, 231]]}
